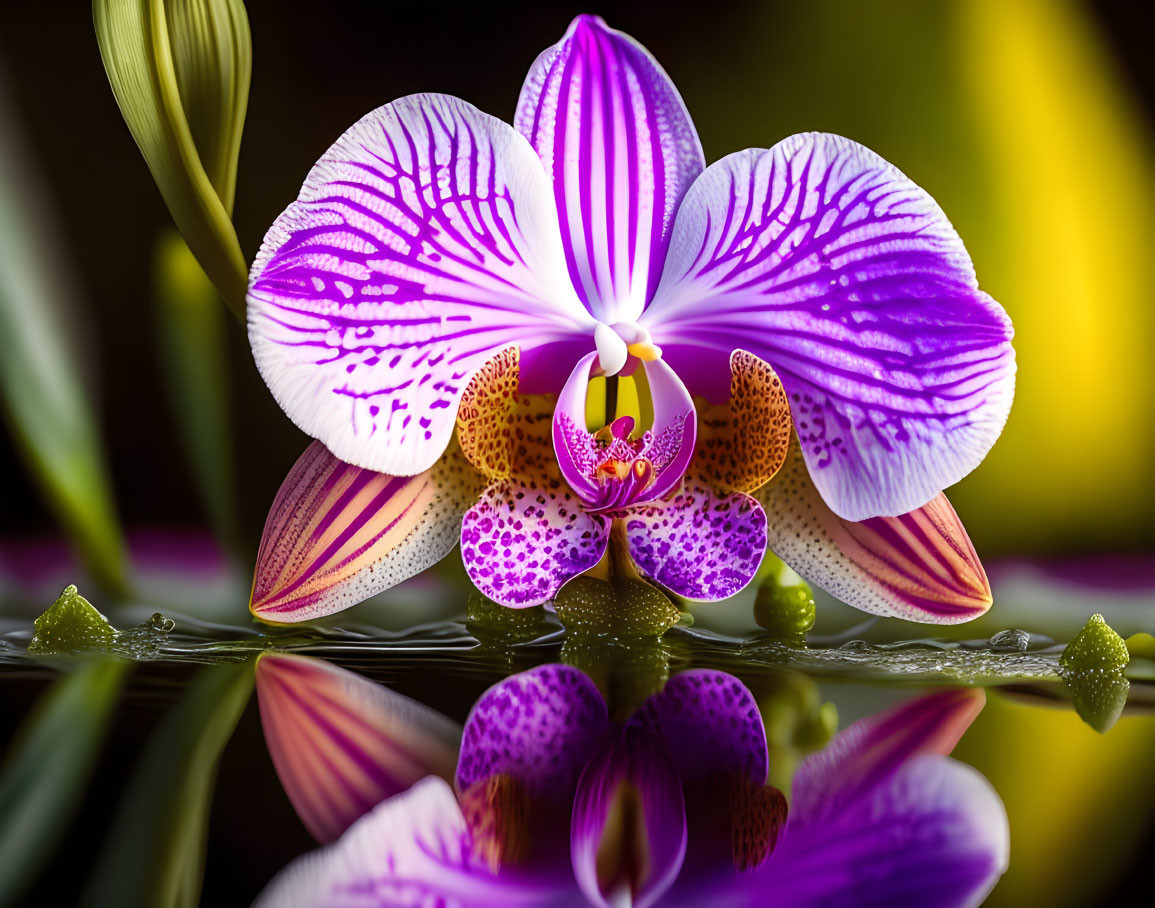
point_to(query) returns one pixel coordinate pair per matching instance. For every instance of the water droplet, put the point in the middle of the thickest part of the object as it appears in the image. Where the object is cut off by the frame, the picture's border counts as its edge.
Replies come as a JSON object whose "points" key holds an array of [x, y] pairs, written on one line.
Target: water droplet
{"points": [[1010, 641]]}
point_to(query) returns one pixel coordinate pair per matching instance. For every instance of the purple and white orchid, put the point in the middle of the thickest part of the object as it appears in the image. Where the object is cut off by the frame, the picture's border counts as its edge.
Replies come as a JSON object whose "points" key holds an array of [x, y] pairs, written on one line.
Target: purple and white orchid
{"points": [[553, 803], [441, 266]]}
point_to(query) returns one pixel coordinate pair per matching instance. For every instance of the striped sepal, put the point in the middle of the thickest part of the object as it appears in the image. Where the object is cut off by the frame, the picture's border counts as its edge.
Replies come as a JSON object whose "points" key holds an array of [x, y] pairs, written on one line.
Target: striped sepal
{"points": [[338, 534], [341, 744], [920, 566]]}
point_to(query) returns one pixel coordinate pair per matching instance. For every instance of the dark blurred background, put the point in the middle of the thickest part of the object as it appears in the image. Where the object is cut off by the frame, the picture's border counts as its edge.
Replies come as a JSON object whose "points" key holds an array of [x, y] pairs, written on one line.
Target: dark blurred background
{"points": [[1029, 121]]}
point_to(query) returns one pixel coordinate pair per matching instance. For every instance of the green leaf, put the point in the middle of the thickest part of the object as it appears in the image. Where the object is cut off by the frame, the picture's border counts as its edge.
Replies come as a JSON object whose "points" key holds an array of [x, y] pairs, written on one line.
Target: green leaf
{"points": [[48, 766], [42, 388], [180, 71], [154, 852], [192, 347]]}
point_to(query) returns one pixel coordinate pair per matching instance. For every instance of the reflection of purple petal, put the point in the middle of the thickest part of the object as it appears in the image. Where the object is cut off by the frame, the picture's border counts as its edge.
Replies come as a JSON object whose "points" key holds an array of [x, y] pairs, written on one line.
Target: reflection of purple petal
{"points": [[710, 725], [539, 726], [700, 544], [617, 141], [933, 832], [413, 849], [822, 259], [422, 242], [341, 743], [880, 817], [712, 729], [872, 748], [628, 835]]}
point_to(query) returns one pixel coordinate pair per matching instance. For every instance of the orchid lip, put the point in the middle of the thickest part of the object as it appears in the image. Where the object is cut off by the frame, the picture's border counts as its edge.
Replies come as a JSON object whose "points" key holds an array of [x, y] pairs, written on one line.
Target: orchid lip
{"points": [[616, 467]]}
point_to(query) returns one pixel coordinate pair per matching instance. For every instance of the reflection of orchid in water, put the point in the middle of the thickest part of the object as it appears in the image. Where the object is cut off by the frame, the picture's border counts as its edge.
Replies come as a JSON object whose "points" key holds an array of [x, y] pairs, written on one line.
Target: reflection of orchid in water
{"points": [[443, 269], [552, 802]]}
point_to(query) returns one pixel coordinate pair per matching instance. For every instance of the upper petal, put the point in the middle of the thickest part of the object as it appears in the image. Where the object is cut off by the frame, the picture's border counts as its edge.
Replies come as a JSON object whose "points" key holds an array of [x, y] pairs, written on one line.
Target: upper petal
{"points": [[823, 259], [539, 726], [341, 743], [422, 242], [621, 150], [919, 566]]}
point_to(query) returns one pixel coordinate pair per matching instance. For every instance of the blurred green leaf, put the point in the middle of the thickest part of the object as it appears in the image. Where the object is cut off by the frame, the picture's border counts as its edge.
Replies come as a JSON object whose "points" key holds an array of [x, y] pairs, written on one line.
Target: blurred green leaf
{"points": [[192, 349], [180, 71], [42, 392], [154, 853], [48, 766]]}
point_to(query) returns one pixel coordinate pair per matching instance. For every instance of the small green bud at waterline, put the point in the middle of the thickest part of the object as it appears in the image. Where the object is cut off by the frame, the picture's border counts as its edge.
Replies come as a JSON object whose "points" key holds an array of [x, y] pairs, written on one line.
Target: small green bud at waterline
{"points": [[70, 624], [1095, 649], [783, 608]]}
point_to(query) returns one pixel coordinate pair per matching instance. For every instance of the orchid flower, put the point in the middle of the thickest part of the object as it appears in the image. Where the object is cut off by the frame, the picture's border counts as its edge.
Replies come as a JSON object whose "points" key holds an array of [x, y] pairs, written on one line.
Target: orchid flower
{"points": [[554, 803], [575, 281]]}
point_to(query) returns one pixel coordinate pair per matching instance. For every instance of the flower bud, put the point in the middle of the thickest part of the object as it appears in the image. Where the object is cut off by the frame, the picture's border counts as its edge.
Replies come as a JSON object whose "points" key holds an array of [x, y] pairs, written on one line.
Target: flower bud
{"points": [[180, 72]]}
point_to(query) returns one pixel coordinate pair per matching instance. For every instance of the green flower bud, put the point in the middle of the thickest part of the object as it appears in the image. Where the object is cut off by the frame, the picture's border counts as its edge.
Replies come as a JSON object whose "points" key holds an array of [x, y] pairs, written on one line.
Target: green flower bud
{"points": [[70, 624], [1095, 649], [785, 605]]}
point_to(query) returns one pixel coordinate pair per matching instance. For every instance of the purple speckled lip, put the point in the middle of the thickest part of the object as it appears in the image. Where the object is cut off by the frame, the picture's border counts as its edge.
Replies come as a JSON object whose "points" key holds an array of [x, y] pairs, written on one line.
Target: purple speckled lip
{"points": [[683, 781], [591, 235], [608, 470]]}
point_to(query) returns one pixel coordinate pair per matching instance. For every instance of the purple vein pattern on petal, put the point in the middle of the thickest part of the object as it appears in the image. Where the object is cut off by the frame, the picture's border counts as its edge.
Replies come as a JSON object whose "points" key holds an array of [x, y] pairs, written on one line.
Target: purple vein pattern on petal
{"points": [[628, 831], [710, 725], [539, 726], [341, 744], [824, 260], [701, 544], [412, 850], [621, 150], [423, 241]]}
